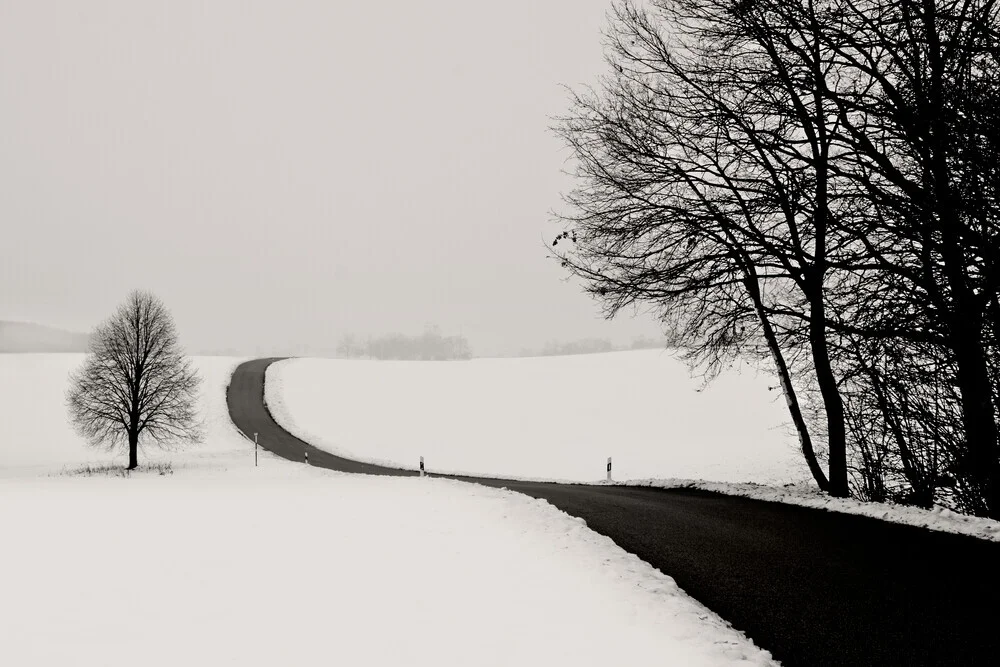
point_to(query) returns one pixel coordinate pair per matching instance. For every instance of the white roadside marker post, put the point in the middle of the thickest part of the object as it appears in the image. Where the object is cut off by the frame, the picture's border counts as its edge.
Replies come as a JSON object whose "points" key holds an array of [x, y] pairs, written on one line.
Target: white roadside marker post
{"points": [[422, 473], [307, 458], [609, 468], [254, 450]]}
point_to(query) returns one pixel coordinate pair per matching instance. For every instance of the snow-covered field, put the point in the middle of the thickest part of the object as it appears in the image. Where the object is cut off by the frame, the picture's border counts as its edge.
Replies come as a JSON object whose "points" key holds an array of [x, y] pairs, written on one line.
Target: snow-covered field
{"points": [[220, 562], [544, 417]]}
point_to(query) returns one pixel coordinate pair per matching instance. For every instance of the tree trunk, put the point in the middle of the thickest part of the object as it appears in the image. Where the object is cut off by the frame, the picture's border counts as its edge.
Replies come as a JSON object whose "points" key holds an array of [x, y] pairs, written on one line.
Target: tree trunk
{"points": [[965, 332], [982, 464], [832, 402], [784, 377], [133, 451], [978, 415]]}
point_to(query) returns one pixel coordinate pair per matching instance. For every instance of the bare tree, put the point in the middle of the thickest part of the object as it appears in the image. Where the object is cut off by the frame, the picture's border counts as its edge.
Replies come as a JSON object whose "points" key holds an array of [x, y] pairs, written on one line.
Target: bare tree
{"points": [[912, 90], [816, 179], [136, 386], [704, 190]]}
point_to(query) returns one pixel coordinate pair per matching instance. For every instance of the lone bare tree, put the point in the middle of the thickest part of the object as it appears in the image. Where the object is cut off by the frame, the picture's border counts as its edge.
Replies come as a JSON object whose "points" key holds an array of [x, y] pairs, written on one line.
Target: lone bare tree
{"points": [[135, 386]]}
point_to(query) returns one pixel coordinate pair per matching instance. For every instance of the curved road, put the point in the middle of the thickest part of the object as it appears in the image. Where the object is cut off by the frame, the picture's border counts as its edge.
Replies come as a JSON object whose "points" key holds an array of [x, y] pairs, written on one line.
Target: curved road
{"points": [[812, 587]]}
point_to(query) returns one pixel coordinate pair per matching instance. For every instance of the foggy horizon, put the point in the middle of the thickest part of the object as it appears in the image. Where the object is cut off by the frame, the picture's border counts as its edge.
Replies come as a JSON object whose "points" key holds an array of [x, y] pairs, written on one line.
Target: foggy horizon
{"points": [[282, 175]]}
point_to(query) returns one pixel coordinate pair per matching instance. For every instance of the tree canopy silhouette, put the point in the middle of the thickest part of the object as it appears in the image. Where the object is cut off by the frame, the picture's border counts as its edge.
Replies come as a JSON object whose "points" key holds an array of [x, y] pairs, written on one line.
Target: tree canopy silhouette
{"points": [[135, 387], [812, 183]]}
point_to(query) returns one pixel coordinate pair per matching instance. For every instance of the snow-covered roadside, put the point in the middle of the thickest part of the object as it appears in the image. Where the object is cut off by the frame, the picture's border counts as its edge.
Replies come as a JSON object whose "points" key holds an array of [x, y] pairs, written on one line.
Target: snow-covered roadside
{"points": [[290, 565], [540, 418], [809, 496]]}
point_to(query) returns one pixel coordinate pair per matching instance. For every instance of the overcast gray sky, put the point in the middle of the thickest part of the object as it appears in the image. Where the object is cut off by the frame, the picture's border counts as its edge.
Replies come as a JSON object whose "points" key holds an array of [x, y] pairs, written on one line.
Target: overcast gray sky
{"points": [[284, 172]]}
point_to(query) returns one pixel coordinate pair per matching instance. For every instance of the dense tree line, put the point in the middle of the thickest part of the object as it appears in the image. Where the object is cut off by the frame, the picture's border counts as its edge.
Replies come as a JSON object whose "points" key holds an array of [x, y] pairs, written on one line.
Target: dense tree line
{"points": [[595, 346], [431, 345], [582, 346], [812, 183]]}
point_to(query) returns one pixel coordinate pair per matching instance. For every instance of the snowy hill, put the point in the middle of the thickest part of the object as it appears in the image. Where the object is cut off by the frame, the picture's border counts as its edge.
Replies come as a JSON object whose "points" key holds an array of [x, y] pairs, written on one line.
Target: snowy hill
{"points": [[18, 337], [542, 417]]}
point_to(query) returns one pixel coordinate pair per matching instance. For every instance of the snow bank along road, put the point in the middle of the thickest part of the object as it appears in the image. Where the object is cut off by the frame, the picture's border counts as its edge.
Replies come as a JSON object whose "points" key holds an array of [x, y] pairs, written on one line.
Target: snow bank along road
{"points": [[812, 587]]}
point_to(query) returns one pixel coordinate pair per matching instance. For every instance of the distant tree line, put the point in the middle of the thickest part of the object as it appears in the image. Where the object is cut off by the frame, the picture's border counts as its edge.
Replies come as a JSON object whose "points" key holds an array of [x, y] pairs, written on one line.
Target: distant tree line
{"points": [[812, 183], [594, 346], [431, 345], [583, 346]]}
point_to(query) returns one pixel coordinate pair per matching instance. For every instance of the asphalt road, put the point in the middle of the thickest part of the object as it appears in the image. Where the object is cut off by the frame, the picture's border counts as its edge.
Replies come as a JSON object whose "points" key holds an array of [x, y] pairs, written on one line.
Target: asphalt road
{"points": [[812, 587]]}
